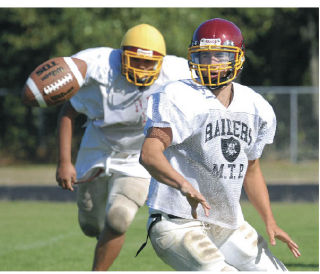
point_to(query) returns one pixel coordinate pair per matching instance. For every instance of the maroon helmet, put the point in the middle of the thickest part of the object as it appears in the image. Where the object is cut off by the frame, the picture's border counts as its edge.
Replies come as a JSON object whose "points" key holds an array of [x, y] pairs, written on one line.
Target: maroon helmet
{"points": [[216, 53]]}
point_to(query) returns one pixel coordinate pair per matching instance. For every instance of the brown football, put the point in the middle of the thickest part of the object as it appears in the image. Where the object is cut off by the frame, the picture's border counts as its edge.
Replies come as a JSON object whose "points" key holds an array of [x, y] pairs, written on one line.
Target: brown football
{"points": [[54, 82]]}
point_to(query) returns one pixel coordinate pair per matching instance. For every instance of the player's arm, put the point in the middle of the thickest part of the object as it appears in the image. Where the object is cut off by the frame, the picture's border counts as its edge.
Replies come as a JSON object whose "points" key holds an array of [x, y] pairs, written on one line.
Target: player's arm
{"points": [[66, 173], [257, 192], [153, 159]]}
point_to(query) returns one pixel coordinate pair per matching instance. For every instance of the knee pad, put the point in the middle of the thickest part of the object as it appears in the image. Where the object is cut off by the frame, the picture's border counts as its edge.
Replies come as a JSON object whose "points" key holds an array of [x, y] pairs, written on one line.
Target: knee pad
{"points": [[205, 253], [91, 201], [185, 246], [121, 213], [90, 225], [90, 230], [127, 194], [242, 246], [248, 251]]}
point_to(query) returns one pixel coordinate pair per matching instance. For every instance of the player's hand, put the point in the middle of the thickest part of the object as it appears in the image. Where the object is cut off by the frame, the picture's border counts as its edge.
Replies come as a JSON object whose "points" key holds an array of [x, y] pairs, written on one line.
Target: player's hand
{"points": [[66, 176], [194, 197], [276, 232]]}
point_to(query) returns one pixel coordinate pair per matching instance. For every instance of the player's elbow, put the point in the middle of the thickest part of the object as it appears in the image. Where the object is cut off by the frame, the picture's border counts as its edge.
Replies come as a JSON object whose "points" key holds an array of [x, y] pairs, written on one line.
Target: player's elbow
{"points": [[144, 158], [151, 154], [148, 156]]}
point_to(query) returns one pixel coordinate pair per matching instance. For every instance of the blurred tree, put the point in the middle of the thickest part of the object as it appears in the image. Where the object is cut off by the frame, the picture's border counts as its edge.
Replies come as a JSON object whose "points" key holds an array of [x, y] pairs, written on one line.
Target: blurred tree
{"points": [[281, 49], [274, 37]]}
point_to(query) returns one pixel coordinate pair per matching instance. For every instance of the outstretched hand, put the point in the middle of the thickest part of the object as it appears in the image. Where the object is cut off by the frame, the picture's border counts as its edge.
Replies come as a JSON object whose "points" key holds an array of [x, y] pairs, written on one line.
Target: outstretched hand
{"points": [[194, 197], [276, 232]]}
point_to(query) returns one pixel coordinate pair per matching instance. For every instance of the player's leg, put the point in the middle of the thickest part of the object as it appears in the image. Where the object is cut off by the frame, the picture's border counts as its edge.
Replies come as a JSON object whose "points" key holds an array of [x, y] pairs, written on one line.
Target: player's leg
{"points": [[185, 246], [248, 251], [91, 201], [126, 196]]}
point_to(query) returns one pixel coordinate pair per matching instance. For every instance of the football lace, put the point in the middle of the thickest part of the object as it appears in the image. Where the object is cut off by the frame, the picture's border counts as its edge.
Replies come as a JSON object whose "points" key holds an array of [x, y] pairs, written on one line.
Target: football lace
{"points": [[58, 84]]}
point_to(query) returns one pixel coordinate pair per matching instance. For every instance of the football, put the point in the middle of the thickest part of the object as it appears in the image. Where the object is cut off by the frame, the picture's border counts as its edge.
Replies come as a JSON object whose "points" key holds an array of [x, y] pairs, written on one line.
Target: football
{"points": [[54, 82]]}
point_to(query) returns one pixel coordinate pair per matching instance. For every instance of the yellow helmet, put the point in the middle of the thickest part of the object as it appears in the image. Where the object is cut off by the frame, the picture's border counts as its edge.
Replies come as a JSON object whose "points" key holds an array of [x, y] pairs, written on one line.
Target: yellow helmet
{"points": [[143, 51]]}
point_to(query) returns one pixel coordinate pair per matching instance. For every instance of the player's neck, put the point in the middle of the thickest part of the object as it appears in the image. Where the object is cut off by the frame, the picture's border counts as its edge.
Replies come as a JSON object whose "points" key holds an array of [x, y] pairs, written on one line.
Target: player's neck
{"points": [[224, 94]]}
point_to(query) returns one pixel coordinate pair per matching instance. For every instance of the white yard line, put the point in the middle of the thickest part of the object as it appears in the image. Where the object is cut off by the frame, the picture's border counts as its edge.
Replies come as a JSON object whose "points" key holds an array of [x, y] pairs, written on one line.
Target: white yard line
{"points": [[36, 244]]}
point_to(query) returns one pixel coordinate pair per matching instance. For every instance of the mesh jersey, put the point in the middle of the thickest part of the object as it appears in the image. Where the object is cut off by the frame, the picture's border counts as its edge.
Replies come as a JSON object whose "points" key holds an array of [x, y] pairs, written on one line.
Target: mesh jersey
{"points": [[116, 111], [211, 146]]}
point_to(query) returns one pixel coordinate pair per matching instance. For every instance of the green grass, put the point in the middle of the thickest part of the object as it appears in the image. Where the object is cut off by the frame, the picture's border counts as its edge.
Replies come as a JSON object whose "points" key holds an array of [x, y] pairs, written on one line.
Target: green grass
{"points": [[45, 236], [301, 222], [274, 172], [285, 171]]}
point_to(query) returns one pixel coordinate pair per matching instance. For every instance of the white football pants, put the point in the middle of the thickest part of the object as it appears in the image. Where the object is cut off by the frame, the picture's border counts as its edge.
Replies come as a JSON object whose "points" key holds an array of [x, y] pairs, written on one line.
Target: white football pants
{"points": [[191, 245]]}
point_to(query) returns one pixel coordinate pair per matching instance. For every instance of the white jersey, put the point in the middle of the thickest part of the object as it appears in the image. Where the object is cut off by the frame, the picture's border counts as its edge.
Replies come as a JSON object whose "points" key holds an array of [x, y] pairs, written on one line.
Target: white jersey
{"points": [[116, 111], [211, 146]]}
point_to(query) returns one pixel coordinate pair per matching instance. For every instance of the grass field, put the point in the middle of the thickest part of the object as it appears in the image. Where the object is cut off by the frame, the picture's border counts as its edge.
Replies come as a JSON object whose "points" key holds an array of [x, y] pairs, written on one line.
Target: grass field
{"points": [[275, 172], [44, 236]]}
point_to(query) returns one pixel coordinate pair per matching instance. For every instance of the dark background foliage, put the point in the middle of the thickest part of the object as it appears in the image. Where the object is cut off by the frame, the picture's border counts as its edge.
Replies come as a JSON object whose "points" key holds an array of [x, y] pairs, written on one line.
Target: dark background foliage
{"points": [[281, 50]]}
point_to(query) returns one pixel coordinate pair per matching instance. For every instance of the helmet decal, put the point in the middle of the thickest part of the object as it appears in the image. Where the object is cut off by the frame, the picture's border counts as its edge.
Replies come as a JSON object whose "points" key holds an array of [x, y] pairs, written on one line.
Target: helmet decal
{"points": [[144, 52], [205, 42]]}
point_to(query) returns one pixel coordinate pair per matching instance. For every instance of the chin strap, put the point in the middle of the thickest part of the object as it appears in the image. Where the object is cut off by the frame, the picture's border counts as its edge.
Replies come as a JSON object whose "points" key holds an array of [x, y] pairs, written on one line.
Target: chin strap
{"points": [[217, 87]]}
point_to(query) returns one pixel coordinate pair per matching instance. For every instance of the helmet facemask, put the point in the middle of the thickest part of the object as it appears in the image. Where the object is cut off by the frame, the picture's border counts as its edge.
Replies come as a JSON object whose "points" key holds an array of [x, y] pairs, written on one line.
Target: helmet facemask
{"points": [[141, 67], [215, 65]]}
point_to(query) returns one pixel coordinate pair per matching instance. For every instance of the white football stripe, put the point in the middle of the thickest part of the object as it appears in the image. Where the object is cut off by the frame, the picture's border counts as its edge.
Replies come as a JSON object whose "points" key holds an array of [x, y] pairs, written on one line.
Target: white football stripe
{"points": [[37, 94], [73, 67]]}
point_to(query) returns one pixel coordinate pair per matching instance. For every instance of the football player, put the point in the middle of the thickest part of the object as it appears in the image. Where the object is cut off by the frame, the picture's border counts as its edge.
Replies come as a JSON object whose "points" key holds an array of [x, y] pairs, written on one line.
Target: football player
{"points": [[112, 185], [204, 138]]}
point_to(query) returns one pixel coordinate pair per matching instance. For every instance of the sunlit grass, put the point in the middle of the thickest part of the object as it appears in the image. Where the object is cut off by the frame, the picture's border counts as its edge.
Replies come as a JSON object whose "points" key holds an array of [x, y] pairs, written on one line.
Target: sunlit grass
{"points": [[45, 236]]}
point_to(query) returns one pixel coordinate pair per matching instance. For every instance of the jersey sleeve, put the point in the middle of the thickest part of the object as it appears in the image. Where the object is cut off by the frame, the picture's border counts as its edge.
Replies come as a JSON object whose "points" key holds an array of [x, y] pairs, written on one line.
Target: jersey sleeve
{"points": [[78, 100], [87, 56], [163, 112], [266, 131], [102, 64], [78, 104], [175, 68]]}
